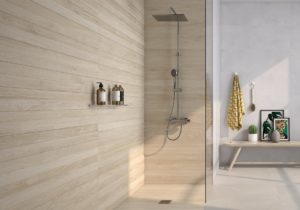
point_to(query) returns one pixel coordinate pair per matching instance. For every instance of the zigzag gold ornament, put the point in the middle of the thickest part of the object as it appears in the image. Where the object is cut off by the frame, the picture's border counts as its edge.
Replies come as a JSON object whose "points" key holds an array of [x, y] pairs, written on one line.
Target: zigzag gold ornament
{"points": [[236, 109]]}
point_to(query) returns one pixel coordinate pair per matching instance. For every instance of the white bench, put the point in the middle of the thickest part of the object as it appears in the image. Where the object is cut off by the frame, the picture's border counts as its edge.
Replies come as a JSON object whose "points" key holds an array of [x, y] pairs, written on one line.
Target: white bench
{"points": [[238, 145]]}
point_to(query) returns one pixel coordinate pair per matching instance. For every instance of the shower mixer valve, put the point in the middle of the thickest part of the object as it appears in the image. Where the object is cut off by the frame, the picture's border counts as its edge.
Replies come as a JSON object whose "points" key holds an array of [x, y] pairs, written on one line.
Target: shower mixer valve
{"points": [[182, 121]]}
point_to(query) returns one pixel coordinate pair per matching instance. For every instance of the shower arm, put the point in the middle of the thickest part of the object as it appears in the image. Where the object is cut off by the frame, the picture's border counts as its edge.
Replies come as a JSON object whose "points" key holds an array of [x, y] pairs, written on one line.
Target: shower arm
{"points": [[178, 31]]}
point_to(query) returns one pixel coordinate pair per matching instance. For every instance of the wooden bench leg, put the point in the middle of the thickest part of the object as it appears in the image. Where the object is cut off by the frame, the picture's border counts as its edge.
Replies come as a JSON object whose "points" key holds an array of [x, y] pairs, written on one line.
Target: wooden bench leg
{"points": [[236, 155]]}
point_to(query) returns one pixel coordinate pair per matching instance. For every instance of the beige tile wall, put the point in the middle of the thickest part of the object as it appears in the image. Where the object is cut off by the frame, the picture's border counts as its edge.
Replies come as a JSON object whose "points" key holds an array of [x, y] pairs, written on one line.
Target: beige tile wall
{"points": [[55, 152], [183, 161]]}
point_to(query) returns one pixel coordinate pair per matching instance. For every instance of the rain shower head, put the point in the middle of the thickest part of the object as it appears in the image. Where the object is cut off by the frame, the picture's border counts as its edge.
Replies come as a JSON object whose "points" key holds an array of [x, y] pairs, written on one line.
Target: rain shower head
{"points": [[171, 17]]}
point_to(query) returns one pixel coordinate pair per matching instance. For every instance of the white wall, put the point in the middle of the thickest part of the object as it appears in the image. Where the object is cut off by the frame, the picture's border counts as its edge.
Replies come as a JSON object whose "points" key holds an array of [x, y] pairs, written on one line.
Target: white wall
{"points": [[261, 41]]}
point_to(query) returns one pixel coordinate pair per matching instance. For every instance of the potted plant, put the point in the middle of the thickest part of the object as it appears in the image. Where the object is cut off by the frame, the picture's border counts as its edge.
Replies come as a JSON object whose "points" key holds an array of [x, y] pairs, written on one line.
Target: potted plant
{"points": [[252, 136]]}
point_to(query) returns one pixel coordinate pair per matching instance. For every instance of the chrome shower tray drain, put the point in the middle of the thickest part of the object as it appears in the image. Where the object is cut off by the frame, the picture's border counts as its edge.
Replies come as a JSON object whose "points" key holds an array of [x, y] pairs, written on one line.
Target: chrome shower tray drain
{"points": [[165, 202]]}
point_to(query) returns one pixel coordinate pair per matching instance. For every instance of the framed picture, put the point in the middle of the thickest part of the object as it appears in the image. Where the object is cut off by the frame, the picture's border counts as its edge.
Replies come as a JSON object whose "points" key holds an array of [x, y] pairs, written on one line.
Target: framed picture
{"points": [[267, 118], [283, 127]]}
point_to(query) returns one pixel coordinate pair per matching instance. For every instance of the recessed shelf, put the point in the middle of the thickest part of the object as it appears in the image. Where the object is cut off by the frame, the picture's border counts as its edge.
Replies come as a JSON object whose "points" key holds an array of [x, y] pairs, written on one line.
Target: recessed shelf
{"points": [[95, 106]]}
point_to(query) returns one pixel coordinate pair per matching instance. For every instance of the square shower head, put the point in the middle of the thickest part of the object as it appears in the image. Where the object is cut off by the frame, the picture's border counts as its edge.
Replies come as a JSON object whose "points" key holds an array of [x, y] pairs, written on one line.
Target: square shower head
{"points": [[171, 18]]}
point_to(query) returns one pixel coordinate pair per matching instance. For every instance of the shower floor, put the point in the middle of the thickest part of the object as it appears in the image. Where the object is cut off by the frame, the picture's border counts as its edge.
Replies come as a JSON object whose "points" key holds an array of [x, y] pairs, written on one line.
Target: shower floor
{"points": [[187, 197], [243, 188]]}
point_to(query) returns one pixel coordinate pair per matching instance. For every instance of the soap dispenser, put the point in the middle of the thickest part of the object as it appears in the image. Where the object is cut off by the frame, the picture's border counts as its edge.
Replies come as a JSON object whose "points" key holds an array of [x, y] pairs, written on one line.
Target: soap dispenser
{"points": [[115, 95], [101, 95], [121, 95]]}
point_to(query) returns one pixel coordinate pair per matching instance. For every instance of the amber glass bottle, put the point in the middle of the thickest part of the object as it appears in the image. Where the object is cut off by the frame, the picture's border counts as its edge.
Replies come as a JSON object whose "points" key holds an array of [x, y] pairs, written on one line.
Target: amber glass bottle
{"points": [[121, 95], [115, 95], [101, 95]]}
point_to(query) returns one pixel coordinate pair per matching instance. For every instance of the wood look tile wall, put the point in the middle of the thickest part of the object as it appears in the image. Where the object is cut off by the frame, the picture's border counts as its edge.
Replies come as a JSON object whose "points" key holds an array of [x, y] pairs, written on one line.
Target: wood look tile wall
{"points": [[55, 152], [183, 161]]}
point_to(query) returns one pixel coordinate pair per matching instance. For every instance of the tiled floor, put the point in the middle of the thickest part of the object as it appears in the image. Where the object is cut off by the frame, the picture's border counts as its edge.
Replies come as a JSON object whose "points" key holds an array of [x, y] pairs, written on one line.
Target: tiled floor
{"points": [[240, 189], [257, 188]]}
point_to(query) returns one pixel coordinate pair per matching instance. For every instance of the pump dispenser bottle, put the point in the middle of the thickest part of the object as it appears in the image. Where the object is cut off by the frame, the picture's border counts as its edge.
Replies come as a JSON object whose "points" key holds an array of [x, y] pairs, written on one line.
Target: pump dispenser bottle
{"points": [[101, 95], [115, 95]]}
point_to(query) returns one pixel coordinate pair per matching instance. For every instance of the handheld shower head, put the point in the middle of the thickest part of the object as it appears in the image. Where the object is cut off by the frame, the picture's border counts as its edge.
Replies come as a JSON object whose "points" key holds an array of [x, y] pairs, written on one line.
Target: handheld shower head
{"points": [[174, 72]]}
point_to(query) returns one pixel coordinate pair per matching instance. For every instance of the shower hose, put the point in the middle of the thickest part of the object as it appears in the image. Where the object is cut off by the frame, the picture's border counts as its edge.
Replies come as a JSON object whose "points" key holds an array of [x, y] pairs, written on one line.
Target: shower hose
{"points": [[171, 113]]}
